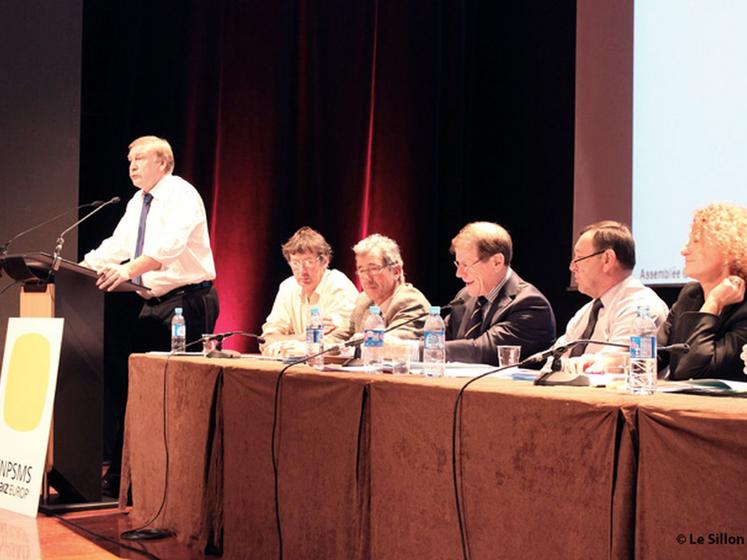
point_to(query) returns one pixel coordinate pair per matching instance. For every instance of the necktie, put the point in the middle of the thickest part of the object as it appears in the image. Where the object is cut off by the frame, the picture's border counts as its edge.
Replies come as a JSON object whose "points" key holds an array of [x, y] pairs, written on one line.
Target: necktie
{"points": [[589, 330], [475, 320], [147, 198]]}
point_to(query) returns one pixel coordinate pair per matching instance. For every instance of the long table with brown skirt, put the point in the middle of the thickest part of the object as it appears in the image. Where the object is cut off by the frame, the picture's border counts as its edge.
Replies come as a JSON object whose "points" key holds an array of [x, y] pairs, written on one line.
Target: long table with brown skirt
{"points": [[692, 478], [365, 470]]}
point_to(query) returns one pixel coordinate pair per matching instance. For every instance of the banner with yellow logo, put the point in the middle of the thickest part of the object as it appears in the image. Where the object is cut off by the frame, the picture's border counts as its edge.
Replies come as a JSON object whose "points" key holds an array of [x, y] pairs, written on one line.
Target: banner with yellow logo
{"points": [[27, 388]]}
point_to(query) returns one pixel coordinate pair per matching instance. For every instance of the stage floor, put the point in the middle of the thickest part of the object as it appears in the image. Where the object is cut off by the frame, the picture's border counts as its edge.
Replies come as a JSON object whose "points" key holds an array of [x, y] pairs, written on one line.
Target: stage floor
{"points": [[54, 538]]}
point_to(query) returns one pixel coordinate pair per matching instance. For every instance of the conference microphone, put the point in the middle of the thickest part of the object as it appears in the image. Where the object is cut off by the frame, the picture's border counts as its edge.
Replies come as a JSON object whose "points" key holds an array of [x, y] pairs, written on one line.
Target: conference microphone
{"points": [[556, 352], [4, 247], [61, 237], [218, 352], [353, 342], [448, 307], [220, 336], [677, 348]]}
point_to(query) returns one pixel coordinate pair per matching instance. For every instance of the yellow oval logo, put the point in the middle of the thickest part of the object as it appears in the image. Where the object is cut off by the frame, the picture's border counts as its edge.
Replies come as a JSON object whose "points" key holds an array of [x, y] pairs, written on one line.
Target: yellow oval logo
{"points": [[28, 380]]}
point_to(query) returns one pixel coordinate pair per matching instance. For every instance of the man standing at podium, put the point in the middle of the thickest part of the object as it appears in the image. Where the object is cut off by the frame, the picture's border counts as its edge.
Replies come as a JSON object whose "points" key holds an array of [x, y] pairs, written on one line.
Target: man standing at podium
{"points": [[161, 242]]}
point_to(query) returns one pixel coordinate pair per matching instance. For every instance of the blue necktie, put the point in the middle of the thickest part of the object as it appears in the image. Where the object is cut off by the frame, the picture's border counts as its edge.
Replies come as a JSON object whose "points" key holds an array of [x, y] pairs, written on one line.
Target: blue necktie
{"points": [[147, 198]]}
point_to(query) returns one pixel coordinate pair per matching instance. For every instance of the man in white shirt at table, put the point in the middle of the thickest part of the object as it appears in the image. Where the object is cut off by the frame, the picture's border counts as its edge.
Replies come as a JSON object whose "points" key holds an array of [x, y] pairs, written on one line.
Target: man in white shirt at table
{"points": [[602, 265], [312, 284]]}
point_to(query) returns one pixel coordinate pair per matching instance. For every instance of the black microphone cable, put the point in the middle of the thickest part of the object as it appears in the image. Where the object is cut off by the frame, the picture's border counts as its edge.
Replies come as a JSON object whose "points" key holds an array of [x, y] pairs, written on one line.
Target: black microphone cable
{"points": [[276, 414], [273, 450], [531, 360], [455, 477], [100, 537], [276, 405], [143, 533]]}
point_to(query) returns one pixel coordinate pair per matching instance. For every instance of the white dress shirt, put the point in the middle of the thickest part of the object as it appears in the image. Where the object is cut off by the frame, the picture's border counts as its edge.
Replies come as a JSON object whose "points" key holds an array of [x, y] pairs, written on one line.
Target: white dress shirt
{"points": [[615, 322], [335, 296], [176, 235]]}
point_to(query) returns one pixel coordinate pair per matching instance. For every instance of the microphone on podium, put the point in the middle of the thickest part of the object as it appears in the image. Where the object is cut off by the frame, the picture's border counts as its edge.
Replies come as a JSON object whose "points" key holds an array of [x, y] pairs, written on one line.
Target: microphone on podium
{"points": [[61, 238], [5, 246]]}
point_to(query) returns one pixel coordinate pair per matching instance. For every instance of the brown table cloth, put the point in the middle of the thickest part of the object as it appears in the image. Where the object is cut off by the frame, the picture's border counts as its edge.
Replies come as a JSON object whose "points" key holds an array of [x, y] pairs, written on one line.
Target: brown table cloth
{"points": [[322, 454], [365, 465], [190, 397], [540, 471], [691, 479]]}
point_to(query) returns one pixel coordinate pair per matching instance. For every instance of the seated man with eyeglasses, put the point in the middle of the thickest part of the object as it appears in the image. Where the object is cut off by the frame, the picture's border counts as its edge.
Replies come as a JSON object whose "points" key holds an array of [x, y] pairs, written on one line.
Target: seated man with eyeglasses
{"points": [[379, 266], [499, 307], [312, 284], [602, 265]]}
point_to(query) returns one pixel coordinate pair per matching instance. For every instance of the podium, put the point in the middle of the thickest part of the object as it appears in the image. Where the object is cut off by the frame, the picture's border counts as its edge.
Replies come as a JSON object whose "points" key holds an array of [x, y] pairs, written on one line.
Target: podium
{"points": [[75, 445]]}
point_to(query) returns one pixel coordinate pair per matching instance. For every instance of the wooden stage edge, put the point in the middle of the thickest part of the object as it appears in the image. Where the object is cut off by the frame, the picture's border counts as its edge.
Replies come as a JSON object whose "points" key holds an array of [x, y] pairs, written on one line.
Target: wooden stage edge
{"points": [[55, 537]]}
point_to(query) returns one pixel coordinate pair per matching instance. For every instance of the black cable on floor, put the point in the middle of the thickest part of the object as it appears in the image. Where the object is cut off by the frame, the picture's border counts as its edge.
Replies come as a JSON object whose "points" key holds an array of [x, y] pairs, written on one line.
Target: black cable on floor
{"points": [[143, 533], [101, 537]]}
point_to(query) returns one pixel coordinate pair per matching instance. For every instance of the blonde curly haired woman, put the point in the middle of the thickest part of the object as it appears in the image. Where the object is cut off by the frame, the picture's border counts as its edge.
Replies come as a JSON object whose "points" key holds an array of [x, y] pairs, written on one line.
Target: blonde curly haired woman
{"points": [[710, 314]]}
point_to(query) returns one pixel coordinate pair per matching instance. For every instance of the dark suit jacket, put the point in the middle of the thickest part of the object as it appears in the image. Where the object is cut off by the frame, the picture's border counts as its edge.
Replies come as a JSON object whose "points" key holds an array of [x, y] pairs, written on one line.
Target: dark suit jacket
{"points": [[520, 315], [715, 340], [407, 303]]}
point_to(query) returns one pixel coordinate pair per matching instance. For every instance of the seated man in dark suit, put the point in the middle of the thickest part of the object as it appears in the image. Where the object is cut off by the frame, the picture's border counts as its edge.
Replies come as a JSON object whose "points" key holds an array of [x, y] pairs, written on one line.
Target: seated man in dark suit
{"points": [[499, 307]]}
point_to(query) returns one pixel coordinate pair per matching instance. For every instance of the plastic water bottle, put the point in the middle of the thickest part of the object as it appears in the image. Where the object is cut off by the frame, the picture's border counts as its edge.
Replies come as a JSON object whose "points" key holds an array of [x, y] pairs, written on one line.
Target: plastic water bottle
{"points": [[372, 351], [315, 338], [178, 331], [434, 344], [642, 376]]}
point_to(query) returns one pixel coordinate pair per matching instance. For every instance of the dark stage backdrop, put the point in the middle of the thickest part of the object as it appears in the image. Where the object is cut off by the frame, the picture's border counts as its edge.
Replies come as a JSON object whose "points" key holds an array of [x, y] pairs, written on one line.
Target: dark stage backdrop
{"points": [[404, 118], [40, 66]]}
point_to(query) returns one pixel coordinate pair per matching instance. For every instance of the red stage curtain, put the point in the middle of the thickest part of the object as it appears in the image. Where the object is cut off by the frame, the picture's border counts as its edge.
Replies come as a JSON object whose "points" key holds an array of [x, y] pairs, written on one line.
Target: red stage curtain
{"points": [[404, 118]]}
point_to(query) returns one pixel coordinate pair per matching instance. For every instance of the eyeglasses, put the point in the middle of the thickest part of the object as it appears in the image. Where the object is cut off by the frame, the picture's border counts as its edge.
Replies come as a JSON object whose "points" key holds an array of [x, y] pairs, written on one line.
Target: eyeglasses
{"points": [[372, 270], [298, 264], [458, 264], [579, 259]]}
